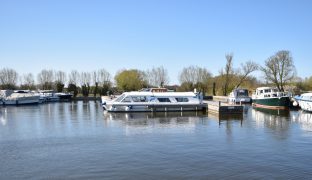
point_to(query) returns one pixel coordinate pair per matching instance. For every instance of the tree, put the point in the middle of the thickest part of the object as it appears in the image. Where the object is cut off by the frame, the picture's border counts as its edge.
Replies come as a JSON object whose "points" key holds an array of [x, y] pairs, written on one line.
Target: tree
{"points": [[227, 73], [95, 80], [73, 89], [130, 80], [279, 69], [85, 79], [104, 82], [73, 77], [246, 69], [8, 78], [104, 77], [45, 79], [27, 81], [60, 79], [194, 77], [157, 77]]}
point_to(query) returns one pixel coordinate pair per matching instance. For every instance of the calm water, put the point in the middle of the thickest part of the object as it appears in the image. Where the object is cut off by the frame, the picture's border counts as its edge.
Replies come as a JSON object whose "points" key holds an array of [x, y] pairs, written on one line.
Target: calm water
{"points": [[76, 140]]}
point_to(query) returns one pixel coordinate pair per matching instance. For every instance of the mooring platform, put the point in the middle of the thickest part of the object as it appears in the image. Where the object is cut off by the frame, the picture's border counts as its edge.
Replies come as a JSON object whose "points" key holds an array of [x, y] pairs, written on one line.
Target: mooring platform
{"points": [[224, 108]]}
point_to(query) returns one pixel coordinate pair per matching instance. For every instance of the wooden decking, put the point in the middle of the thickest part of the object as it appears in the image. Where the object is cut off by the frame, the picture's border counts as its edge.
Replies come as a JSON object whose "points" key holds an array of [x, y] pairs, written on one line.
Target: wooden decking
{"points": [[224, 108]]}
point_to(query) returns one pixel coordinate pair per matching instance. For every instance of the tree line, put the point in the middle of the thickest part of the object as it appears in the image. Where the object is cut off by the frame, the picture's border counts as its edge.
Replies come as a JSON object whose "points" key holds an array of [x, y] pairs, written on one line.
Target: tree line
{"points": [[278, 70]]}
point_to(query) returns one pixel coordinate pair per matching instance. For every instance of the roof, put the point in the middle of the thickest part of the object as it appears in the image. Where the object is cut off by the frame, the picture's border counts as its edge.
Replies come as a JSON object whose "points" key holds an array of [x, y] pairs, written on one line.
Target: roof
{"points": [[161, 94], [262, 88]]}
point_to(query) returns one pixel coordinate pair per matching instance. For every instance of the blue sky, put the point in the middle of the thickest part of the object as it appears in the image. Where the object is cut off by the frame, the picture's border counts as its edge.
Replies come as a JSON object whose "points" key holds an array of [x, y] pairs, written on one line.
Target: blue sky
{"points": [[118, 34]]}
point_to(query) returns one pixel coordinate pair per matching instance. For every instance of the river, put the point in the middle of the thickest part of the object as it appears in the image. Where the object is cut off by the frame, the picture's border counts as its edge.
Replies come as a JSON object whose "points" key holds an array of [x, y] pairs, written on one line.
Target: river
{"points": [[77, 140]]}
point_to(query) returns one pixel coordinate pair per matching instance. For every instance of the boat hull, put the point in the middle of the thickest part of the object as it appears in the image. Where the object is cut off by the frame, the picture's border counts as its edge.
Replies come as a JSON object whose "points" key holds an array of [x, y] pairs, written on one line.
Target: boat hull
{"points": [[153, 107], [21, 102], [306, 105], [243, 100], [272, 103]]}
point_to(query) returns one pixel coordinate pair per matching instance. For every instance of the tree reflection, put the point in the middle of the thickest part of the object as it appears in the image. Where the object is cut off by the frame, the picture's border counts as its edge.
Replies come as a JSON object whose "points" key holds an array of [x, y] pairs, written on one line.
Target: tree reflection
{"points": [[304, 119], [277, 120]]}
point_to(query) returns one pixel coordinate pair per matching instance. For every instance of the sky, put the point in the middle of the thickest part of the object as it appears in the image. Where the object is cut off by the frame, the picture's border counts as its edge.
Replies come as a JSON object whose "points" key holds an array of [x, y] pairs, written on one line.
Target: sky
{"points": [[142, 34]]}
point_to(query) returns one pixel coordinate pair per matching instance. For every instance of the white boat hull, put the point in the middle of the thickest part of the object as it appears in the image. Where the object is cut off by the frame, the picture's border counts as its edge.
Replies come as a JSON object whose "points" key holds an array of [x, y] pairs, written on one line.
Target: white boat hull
{"points": [[240, 100], [305, 101], [153, 102], [306, 105], [152, 107], [21, 101]]}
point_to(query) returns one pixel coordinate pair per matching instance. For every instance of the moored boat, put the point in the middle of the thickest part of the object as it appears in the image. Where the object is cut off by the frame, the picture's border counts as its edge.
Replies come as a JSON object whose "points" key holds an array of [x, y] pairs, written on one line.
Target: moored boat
{"points": [[154, 101], [48, 96], [20, 97], [271, 98], [64, 96], [304, 101], [239, 96]]}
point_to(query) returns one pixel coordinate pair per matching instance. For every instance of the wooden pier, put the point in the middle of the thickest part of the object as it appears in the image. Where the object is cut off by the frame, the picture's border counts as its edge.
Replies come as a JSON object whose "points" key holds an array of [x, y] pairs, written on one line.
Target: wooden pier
{"points": [[224, 108]]}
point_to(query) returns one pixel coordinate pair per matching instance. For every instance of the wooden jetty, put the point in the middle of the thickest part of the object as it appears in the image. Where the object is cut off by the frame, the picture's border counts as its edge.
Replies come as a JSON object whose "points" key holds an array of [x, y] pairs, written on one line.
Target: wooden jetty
{"points": [[224, 108]]}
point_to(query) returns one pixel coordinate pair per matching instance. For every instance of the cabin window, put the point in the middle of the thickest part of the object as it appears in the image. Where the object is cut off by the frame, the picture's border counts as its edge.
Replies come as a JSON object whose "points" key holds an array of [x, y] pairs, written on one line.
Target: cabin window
{"points": [[261, 91], [163, 99], [242, 93], [127, 99], [120, 98], [139, 98], [267, 90], [182, 99]]}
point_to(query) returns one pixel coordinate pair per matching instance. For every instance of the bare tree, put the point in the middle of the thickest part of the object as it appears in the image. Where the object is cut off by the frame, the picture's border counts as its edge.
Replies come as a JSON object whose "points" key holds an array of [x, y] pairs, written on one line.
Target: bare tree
{"points": [[8, 78], [188, 75], [85, 80], [60, 80], [104, 77], [246, 69], [157, 76], [45, 79], [28, 81], [95, 79], [60, 76], [279, 69], [195, 77], [73, 77], [228, 72]]}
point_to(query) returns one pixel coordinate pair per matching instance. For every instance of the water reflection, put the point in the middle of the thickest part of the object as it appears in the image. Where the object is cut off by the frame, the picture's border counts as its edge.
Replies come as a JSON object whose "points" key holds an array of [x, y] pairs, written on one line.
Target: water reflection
{"points": [[304, 119], [275, 120], [3, 116], [143, 123]]}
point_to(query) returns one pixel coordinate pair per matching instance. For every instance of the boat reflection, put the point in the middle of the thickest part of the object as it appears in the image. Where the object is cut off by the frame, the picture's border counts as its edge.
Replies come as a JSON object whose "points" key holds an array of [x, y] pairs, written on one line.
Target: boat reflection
{"points": [[151, 115], [227, 118], [277, 120], [143, 123], [3, 116], [304, 119]]}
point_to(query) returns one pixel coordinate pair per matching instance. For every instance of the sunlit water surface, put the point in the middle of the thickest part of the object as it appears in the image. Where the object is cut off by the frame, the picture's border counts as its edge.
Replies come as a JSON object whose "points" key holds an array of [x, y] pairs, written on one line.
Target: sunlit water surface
{"points": [[76, 140]]}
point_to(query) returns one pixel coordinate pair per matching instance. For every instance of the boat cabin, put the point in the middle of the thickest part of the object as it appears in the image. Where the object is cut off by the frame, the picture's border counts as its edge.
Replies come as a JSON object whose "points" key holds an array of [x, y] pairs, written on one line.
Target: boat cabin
{"points": [[267, 92], [144, 97]]}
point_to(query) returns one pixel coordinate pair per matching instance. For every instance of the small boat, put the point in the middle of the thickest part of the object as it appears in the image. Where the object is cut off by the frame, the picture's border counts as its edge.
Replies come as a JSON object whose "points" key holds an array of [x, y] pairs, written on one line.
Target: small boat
{"points": [[304, 101], [20, 97], [140, 101], [271, 98], [64, 96], [239, 96], [48, 96]]}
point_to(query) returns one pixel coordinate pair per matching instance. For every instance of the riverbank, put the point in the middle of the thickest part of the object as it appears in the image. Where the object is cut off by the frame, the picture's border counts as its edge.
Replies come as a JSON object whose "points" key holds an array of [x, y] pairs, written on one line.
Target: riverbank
{"points": [[90, 98]]}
